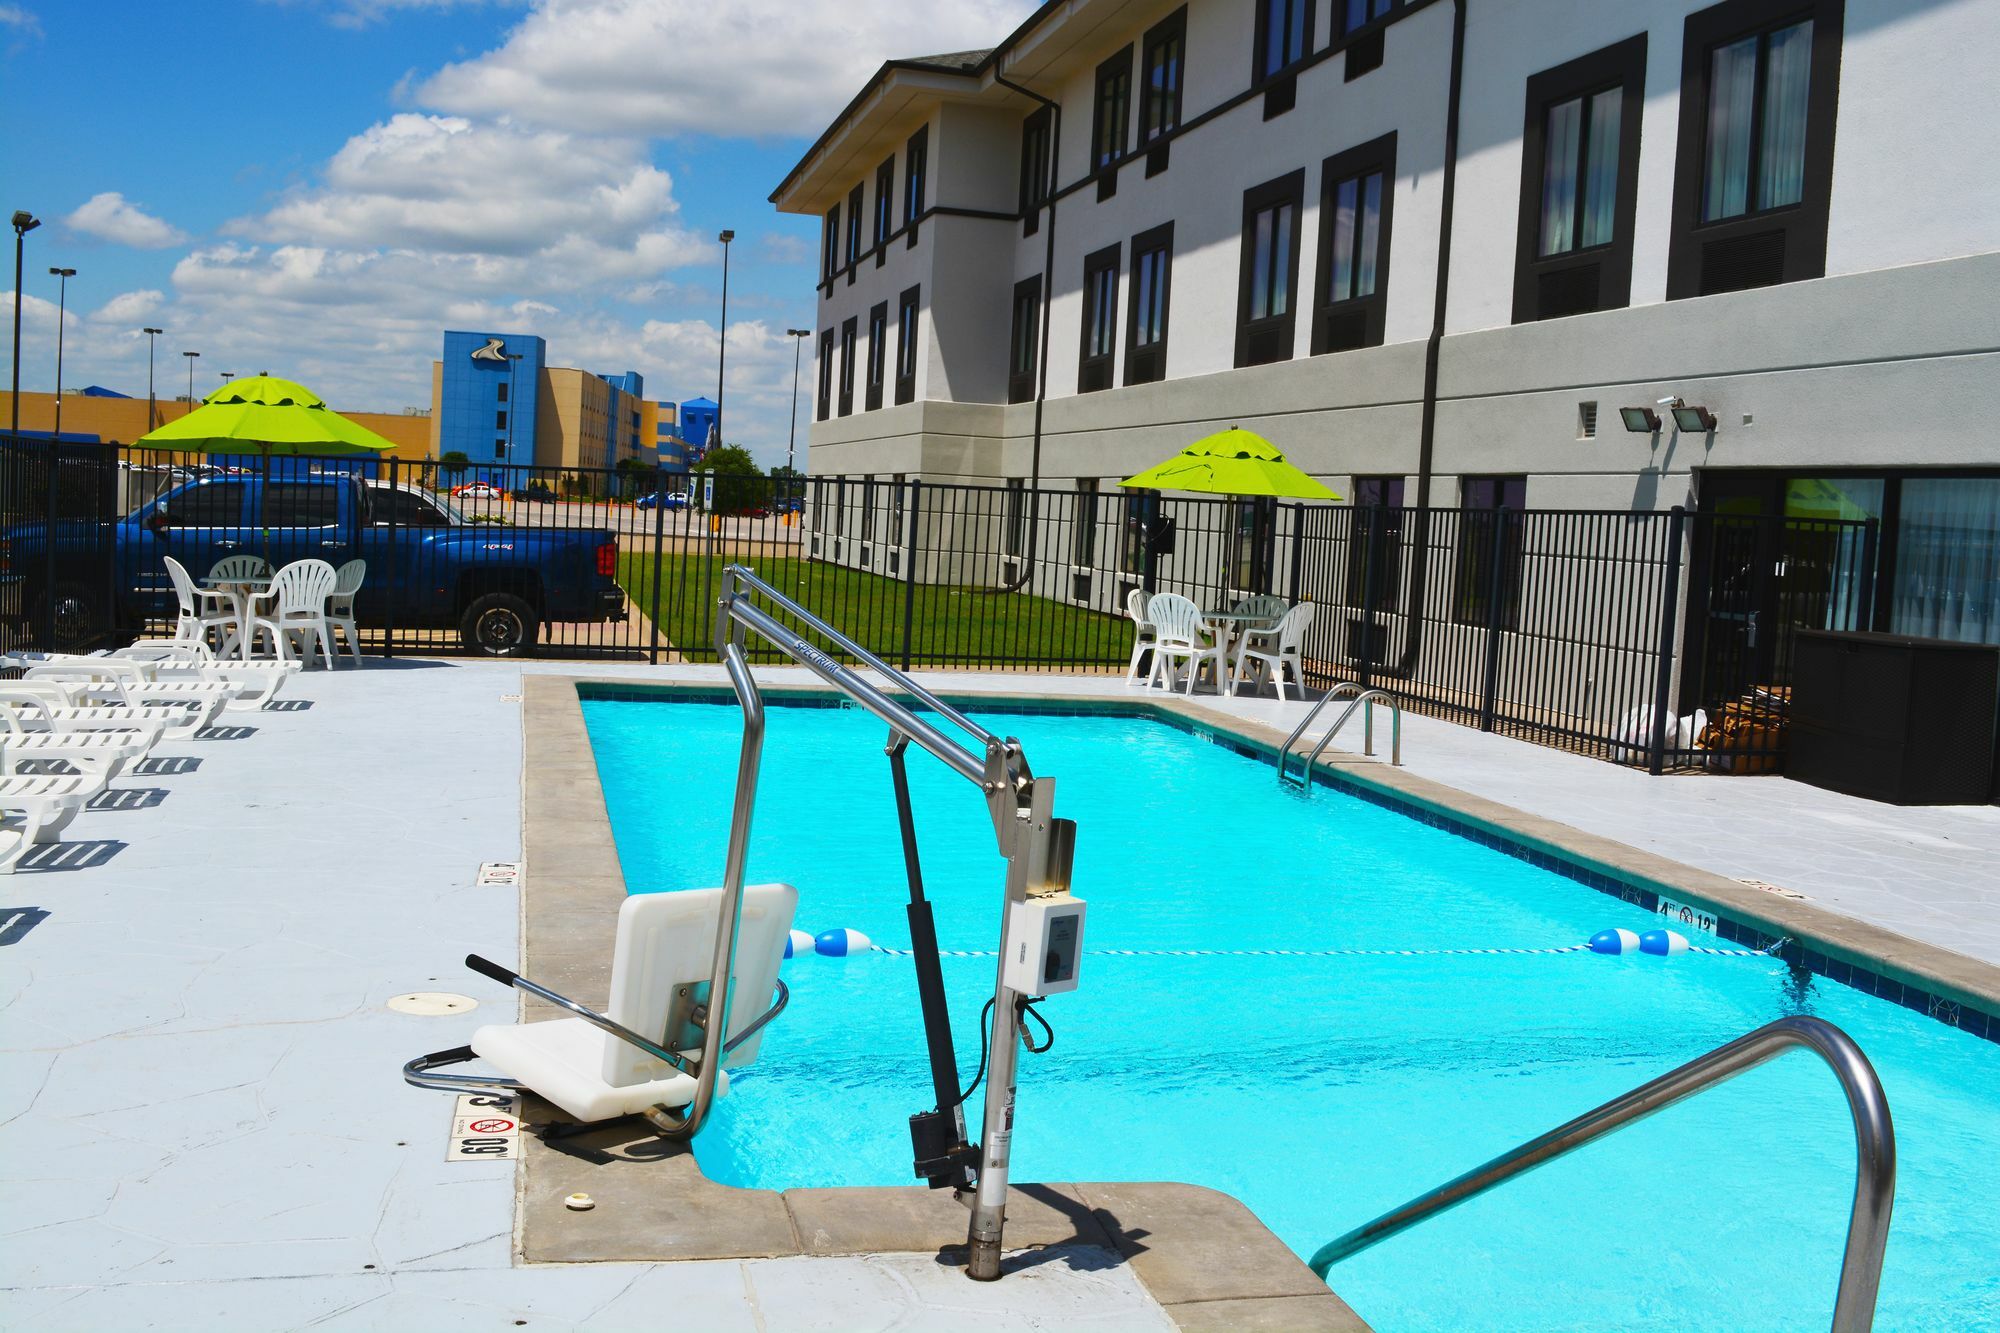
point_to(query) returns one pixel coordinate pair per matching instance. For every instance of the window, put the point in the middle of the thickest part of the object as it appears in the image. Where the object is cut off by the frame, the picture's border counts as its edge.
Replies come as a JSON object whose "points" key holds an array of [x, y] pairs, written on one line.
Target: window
{"points": [[885, 208], [878, 353], [916, 170], [1162, 54], [1034, 170], [500, 420], [1284, 31], [1268, 287], [301, 504], [853, 230], [830, 245], [1375, 541], [1358, 14], [1252, 543], [868, 509], [906, 345], [1357, 197], [1111, 121], [1083, 534], [1023, 341], [502, 390], [847, 331], [1580, 184], [1484, 533], [1759, 86], [1142, 514], [1017, 514], [1146, 324], [1099, 344], [405, 509], [896, 509], [213, 504]]}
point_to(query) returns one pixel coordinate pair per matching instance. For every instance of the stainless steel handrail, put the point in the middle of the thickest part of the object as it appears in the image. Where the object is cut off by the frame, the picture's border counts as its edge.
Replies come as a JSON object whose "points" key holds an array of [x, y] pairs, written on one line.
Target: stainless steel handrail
{"points": [[1364, 700], [1874, 1146], [1036, 845]]}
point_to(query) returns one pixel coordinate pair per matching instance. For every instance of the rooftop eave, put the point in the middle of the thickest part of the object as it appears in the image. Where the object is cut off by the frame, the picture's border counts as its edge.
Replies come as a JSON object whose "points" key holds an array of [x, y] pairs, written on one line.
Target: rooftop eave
{"points": [[849, 144]]}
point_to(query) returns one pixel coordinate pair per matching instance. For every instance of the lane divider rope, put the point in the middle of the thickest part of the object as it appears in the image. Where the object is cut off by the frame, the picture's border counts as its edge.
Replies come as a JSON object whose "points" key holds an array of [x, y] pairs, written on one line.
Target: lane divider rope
{"points": [[1311, 953]]}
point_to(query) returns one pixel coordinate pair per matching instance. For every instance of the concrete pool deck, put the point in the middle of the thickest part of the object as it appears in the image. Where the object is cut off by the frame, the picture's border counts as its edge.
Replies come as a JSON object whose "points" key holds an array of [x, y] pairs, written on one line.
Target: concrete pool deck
{"points": [[203, 1120]]}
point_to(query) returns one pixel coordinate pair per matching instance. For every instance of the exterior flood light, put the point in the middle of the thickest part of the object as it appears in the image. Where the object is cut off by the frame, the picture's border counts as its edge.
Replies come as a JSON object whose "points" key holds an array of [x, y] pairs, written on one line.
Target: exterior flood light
{"points": [[1643, 420], [1693, 420]]}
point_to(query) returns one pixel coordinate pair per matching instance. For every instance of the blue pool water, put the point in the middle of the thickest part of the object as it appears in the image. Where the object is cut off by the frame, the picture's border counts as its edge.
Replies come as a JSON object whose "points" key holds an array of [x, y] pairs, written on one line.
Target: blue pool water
{"points": [[1321, 1091]]}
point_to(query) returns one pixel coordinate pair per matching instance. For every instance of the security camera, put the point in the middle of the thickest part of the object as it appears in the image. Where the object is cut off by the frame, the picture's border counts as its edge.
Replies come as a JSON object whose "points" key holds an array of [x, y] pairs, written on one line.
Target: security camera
{"points": [[1667, 402]]}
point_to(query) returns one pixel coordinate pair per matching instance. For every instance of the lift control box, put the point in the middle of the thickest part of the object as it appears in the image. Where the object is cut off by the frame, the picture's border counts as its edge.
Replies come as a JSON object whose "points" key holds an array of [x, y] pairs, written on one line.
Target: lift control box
{"points": [[1044, 944]]}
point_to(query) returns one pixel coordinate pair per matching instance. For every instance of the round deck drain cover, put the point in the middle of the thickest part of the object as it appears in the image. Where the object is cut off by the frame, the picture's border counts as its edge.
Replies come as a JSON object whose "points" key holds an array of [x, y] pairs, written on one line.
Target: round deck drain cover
{"points": [[433, 1003]]}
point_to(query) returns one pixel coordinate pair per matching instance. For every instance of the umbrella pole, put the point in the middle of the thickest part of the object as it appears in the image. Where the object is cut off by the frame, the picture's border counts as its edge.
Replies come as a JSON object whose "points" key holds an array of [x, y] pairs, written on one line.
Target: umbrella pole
{"points": [[263, 502]]}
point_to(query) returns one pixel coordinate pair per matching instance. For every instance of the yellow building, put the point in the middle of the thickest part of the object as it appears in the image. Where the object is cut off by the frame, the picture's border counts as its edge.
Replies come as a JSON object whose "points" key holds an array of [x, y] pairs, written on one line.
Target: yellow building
{"points": [[123, 420]]}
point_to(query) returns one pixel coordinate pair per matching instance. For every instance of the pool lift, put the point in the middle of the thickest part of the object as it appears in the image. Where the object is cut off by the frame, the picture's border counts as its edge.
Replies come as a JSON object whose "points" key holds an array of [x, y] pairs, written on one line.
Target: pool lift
{"points": [[1041, 930]]}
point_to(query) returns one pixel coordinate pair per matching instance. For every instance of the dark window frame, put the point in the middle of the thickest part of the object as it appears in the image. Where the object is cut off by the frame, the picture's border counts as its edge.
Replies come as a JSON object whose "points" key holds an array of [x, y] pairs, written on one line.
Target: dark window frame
{"points": [[1147, 363], [1375, 537], [1800, 228], [849, 332], [1622, 66], [1472, 572], [885, 208], [854, 230], [1108, 140], [916, 179], [1280, 80], [830, 249], [824, 404], [1095, 372], [1169, 34], [908, 314], [878, 355], [1379, 12], [1269, 338], [1037, 155], [1333, 320], [1024, 336], [1083, 527]]}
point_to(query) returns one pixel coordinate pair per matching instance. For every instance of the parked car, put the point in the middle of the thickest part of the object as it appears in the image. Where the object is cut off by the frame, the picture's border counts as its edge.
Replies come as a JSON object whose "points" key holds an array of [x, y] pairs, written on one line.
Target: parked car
{"points": [[656, 500], [478, 490], [535, 492], [791, 504], [428, 567]]}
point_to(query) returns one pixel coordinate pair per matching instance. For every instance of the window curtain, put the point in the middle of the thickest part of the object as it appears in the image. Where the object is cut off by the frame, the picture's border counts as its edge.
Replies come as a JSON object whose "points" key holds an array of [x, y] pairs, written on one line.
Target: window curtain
{"points": [[1600, 202], [1948, 561], [1559, 146], [1732, 96], [1781, 169]]}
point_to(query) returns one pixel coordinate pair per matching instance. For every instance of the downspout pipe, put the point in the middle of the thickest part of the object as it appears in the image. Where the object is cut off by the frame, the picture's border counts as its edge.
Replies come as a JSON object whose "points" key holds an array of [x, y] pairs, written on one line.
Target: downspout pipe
{"points": [[1042, 356], [1427, 429]]}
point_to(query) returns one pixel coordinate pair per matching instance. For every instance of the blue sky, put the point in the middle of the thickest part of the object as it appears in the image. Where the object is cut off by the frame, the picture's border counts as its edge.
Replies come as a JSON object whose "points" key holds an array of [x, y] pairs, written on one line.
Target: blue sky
{"points": [[318, 187]]}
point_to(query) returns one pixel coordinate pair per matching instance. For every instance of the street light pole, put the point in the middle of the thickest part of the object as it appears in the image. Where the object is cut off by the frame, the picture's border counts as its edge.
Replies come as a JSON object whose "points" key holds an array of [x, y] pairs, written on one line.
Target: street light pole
{"points": [[722, 343], [798, 337], [227, 375], [24, 222], [62, 277], [190, 356], [152, 404]]}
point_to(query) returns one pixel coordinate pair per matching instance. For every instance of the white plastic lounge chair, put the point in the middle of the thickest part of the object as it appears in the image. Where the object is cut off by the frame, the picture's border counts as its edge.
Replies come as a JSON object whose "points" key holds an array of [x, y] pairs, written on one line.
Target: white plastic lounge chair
{"points": [[45, 707], [114, 681], [1268, 651], [203, 611], [1142, 632], [255, 683], [40, 807], [101, 754], [66, 711], [664, 950], [1182, 636], [340, 604], [295, 603]]}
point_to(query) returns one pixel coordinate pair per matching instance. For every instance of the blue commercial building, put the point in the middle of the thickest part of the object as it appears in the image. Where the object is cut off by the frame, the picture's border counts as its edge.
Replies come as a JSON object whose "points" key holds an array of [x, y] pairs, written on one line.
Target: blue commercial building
{"points": [[488, 399], [697, 420]]}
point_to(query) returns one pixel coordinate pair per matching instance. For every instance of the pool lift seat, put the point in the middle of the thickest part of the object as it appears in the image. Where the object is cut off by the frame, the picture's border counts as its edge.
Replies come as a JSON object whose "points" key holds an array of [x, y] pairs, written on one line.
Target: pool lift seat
{"points": [[642, 1055]]}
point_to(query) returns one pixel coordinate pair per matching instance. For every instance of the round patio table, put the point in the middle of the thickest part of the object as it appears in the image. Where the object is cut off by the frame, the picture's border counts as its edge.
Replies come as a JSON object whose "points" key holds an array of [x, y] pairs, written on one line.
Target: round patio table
{"points": [[241, 592]]}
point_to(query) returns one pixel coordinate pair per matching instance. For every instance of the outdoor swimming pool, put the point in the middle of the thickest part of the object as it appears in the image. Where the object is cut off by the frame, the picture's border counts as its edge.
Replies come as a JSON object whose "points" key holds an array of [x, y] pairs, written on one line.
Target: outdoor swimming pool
{"points": [[1320, 1090]]}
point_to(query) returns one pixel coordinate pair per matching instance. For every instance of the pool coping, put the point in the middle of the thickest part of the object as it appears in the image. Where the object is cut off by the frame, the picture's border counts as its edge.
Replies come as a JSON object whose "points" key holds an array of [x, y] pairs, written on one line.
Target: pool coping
{"points": [[1200, 1253]]}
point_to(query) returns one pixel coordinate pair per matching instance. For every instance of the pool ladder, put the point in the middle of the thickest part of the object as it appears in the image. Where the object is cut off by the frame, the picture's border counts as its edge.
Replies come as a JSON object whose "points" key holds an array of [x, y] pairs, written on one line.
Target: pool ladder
{"points": [[1363, 700], [1874, 1145]]}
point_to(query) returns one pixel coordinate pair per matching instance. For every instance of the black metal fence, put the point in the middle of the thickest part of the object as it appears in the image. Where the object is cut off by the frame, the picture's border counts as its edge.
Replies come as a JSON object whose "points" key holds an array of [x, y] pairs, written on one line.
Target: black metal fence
{"points": [[1595, 631]]}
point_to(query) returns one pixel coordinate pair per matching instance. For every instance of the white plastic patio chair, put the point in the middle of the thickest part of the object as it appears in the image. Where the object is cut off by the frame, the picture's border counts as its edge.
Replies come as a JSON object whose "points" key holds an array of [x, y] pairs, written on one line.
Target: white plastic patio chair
{"points": [[295, 603], [664, 950], [34, 810], [1267, 606], [340, 604], [1182, 636], [237, 568], [202, 610], [1142, 632], [1269, 651]]}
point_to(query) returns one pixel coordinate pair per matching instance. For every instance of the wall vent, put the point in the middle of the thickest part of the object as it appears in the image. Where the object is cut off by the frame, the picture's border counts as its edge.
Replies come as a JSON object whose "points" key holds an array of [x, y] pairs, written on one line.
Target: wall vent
{"points": [[1586, 421]]}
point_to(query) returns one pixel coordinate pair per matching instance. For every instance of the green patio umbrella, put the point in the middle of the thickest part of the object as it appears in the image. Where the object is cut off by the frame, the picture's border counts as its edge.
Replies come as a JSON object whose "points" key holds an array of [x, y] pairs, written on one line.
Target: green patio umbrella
{"points": [[1231, 462], [266, 415]]}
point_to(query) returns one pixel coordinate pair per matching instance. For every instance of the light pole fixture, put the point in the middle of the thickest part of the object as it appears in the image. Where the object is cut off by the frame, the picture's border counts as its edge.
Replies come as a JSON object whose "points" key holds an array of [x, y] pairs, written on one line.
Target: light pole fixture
{"points": [[798, 337], [152, 404], [190, 356], [24, 222], [227, 375], [62, 277], [1693, 420], [1643, 420], [722, 342]]}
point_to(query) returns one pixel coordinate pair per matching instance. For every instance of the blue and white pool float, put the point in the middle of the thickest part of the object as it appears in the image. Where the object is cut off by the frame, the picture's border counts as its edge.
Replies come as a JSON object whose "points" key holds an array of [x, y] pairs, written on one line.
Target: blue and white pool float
{"points": [[841, 942], [1664, 943], [798, 942], [1617, 941]]}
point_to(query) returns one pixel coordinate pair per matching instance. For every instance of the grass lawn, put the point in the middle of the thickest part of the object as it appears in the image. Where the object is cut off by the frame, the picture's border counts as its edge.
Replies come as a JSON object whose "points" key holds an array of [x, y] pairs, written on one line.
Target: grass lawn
{"points": [[951, 625]]}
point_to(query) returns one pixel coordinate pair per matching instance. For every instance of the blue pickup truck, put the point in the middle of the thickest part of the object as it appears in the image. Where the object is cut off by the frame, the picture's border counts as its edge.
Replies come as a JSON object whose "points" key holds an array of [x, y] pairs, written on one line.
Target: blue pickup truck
{"points": [[428, 566]]}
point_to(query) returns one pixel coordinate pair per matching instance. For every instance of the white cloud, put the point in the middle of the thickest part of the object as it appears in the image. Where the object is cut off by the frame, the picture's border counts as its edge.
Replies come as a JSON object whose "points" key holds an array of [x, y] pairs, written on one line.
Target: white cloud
{"points": [[109, 217], [362, 13], [22, 21], [781, 247], [130, 307], [744, 68]]}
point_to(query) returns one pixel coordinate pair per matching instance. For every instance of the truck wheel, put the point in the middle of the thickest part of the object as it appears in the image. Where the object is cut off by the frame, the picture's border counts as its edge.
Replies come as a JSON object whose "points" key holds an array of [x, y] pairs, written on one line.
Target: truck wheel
{"points": [[67, 623], [499, 625]]}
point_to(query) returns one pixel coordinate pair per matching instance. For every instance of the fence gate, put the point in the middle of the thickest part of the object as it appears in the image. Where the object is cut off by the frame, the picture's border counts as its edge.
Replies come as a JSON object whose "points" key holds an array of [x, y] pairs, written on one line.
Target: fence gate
{"points": [[58, 502]]}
